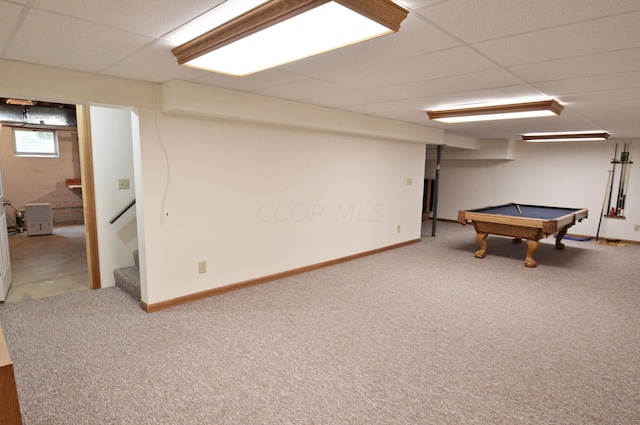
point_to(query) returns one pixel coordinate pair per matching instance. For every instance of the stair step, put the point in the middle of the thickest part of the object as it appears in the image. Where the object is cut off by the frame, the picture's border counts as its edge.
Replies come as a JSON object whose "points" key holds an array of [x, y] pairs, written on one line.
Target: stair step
{"points": [[128, 279]]}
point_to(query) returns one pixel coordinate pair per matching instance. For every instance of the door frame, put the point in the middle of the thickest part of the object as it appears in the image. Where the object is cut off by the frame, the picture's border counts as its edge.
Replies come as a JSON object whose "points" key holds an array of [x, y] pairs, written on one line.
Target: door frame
{"points": [[88, 194]]}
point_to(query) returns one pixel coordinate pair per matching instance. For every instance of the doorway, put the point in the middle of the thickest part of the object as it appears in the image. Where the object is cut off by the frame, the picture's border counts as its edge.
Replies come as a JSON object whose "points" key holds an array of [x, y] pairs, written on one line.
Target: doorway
{"points": [[51, 262], [108, 133]]}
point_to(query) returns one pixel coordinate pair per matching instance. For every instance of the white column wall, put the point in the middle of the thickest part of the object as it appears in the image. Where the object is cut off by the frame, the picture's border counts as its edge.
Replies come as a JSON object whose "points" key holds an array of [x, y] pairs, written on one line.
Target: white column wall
{"points": [[255, 200]]}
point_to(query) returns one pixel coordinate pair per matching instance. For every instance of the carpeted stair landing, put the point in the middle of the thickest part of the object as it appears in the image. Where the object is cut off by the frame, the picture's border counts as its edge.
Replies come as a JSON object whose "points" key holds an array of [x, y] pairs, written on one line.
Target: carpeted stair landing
{"points": [[128, 278]]}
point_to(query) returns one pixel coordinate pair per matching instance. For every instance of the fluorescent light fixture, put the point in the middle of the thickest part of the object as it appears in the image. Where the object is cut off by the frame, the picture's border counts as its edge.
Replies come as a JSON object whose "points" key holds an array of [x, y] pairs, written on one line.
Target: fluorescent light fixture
{"points": [[282, 31], [542, 108], [570, 136]]}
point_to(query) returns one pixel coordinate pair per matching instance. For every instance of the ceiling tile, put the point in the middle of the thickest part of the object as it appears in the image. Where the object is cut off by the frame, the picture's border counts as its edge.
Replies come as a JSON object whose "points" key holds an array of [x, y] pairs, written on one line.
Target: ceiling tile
{"points": [[619, 95], [456, 61], [476, 81], [51, 39], [346, 99], [153, 18], [609, 115], [580, 66], [621, 80], [153, 62], [415, 116], [474, 21], [386, 106], [304, 89], [271, 78], [9, 14], [595, 36]]}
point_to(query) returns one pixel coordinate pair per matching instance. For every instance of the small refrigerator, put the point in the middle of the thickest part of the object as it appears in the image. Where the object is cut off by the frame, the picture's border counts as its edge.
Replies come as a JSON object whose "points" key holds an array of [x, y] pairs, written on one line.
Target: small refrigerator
{"points": [[39, 219]]}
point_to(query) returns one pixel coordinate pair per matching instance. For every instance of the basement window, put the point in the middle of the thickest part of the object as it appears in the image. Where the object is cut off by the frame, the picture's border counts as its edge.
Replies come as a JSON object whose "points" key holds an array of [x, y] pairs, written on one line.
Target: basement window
{"points": [[35, 143]]}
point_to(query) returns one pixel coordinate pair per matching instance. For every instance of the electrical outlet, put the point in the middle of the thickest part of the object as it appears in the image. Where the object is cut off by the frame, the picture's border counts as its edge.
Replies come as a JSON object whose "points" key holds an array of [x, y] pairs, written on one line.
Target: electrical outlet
{"points": [[398, 228], [123, 183], [636, 228], [202, 267]]}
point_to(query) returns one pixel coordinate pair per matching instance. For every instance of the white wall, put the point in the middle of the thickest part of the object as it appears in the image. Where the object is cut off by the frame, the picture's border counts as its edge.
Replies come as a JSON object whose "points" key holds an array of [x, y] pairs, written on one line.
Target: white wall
{"points": [[258, 197], [258, 200], [111, 138], [558, 174], [216, 179]]}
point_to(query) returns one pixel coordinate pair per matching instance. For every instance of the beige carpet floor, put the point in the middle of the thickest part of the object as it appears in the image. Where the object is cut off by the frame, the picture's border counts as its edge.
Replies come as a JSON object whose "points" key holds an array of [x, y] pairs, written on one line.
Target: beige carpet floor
{"points": [[424, 334]]}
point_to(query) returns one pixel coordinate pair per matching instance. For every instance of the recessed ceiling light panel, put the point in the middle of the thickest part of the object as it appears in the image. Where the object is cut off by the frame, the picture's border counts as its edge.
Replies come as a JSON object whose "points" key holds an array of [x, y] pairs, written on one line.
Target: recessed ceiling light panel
{"points": [[571, 136], [541, 108], [283, 31]]}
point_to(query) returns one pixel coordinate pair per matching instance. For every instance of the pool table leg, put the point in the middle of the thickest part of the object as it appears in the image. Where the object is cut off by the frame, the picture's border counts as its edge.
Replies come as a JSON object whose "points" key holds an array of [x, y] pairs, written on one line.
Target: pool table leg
{"points": [[561, 234], [482, 241], [532, 246]]}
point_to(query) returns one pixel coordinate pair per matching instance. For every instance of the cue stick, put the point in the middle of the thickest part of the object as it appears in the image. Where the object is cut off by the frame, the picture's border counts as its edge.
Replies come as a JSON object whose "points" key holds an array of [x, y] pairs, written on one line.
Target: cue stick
{"points": [[604, 201], [620, 188], [623, 198], [435, 191], [615, 153], [621, 184], [626, 185]]}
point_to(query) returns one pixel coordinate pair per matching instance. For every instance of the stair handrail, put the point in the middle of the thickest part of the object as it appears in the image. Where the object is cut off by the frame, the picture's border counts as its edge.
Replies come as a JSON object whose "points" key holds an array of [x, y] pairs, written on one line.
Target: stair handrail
{"points": [[124, 210]]}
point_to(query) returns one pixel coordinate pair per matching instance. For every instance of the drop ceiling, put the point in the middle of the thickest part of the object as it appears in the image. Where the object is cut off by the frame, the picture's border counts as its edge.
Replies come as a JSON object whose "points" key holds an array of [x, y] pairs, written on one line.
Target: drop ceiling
{"points": [[584, 53]]}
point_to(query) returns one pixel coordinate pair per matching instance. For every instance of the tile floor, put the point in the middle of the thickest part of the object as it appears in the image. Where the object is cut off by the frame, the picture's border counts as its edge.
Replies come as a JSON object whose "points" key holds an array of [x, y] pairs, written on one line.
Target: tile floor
{"points": [[48, 265]]}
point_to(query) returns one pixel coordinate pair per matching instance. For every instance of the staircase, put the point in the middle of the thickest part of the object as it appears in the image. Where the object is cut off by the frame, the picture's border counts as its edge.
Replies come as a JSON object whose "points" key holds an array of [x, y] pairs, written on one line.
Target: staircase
{"points": [[128, 278]]}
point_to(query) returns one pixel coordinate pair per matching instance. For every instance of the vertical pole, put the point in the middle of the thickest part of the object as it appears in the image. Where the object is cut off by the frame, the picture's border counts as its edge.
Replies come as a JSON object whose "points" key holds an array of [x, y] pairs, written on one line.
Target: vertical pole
{"points": [[435, 192], [613, 176], [623, 166], [603, 203]]}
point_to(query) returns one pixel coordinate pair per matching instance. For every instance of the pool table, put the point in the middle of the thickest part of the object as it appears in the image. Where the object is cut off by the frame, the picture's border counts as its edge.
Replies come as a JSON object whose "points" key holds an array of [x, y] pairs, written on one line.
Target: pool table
{"points": [[519, 221]]}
